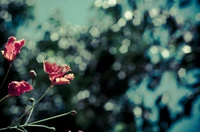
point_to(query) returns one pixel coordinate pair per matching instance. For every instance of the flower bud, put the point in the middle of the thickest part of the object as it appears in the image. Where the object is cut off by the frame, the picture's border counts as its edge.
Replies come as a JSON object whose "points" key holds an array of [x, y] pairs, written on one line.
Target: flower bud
{"points": [[33, 74], [32, 100], [73, 112], [52, 129]]}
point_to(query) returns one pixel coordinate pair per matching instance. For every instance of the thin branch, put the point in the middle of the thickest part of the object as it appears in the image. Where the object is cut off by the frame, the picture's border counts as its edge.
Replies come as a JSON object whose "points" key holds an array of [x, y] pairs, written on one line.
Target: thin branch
{"points": [[6, 75], [4, 98], [30, 114], [42, 126], [53, 117]]}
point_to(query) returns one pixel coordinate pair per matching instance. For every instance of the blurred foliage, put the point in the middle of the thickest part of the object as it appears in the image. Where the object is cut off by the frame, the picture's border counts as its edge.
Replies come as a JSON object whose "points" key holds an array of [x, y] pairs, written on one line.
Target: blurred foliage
{"points": [[134, 52], [12, 15]]}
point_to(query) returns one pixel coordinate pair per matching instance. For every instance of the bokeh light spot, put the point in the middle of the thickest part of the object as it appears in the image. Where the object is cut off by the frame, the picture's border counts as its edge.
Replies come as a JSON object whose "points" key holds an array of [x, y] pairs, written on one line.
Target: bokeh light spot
{"points": [[121, 22], [179, 19], [121, 75], [154, 49], [115, 27], [14, 109], [136, 13], [83, 94], [31, 45], [197, 17], [136, 21], [109, 106], [94, 32], [173, 11], [128, 15], [63, 43], [78, 60], [187, 49], [182, 72], [187, 36], [165, 53], [123, 49], [154, 13], [82, 66], [116, 66], [5, 15], [113, 50], [41, 56], [105, 5], [98, 3], [112, 3], [126, 42], [54, 36], [137, 111]]}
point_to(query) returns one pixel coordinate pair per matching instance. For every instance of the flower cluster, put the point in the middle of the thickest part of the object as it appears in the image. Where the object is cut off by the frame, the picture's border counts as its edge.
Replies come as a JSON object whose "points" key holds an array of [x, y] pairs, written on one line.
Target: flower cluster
{"points": [[57, 75]]}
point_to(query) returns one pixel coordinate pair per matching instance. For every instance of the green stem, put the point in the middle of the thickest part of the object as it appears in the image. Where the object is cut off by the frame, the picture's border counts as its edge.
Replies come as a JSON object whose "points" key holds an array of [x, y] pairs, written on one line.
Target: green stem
{"points": [[29, 115], [29, 95], [50, 118], [3, 128], [32, 81], [23, 129], [39, 121], [6, 75], [31, 107], [43, 126], [4, 97], [26, 105]]}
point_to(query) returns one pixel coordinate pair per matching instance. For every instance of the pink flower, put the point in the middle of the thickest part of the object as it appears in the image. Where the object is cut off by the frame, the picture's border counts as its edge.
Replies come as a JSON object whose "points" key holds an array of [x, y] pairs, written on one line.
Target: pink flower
{"points": [[58, 74], [12, 48], [16, 88]]}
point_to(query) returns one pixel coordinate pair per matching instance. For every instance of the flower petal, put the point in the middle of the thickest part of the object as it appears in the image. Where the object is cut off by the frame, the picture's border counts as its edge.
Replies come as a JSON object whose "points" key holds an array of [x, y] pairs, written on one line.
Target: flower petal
{"points": [[11, 39], [61, 80], [16, 88], [18, 45], [69, 76], [48, 67]]}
